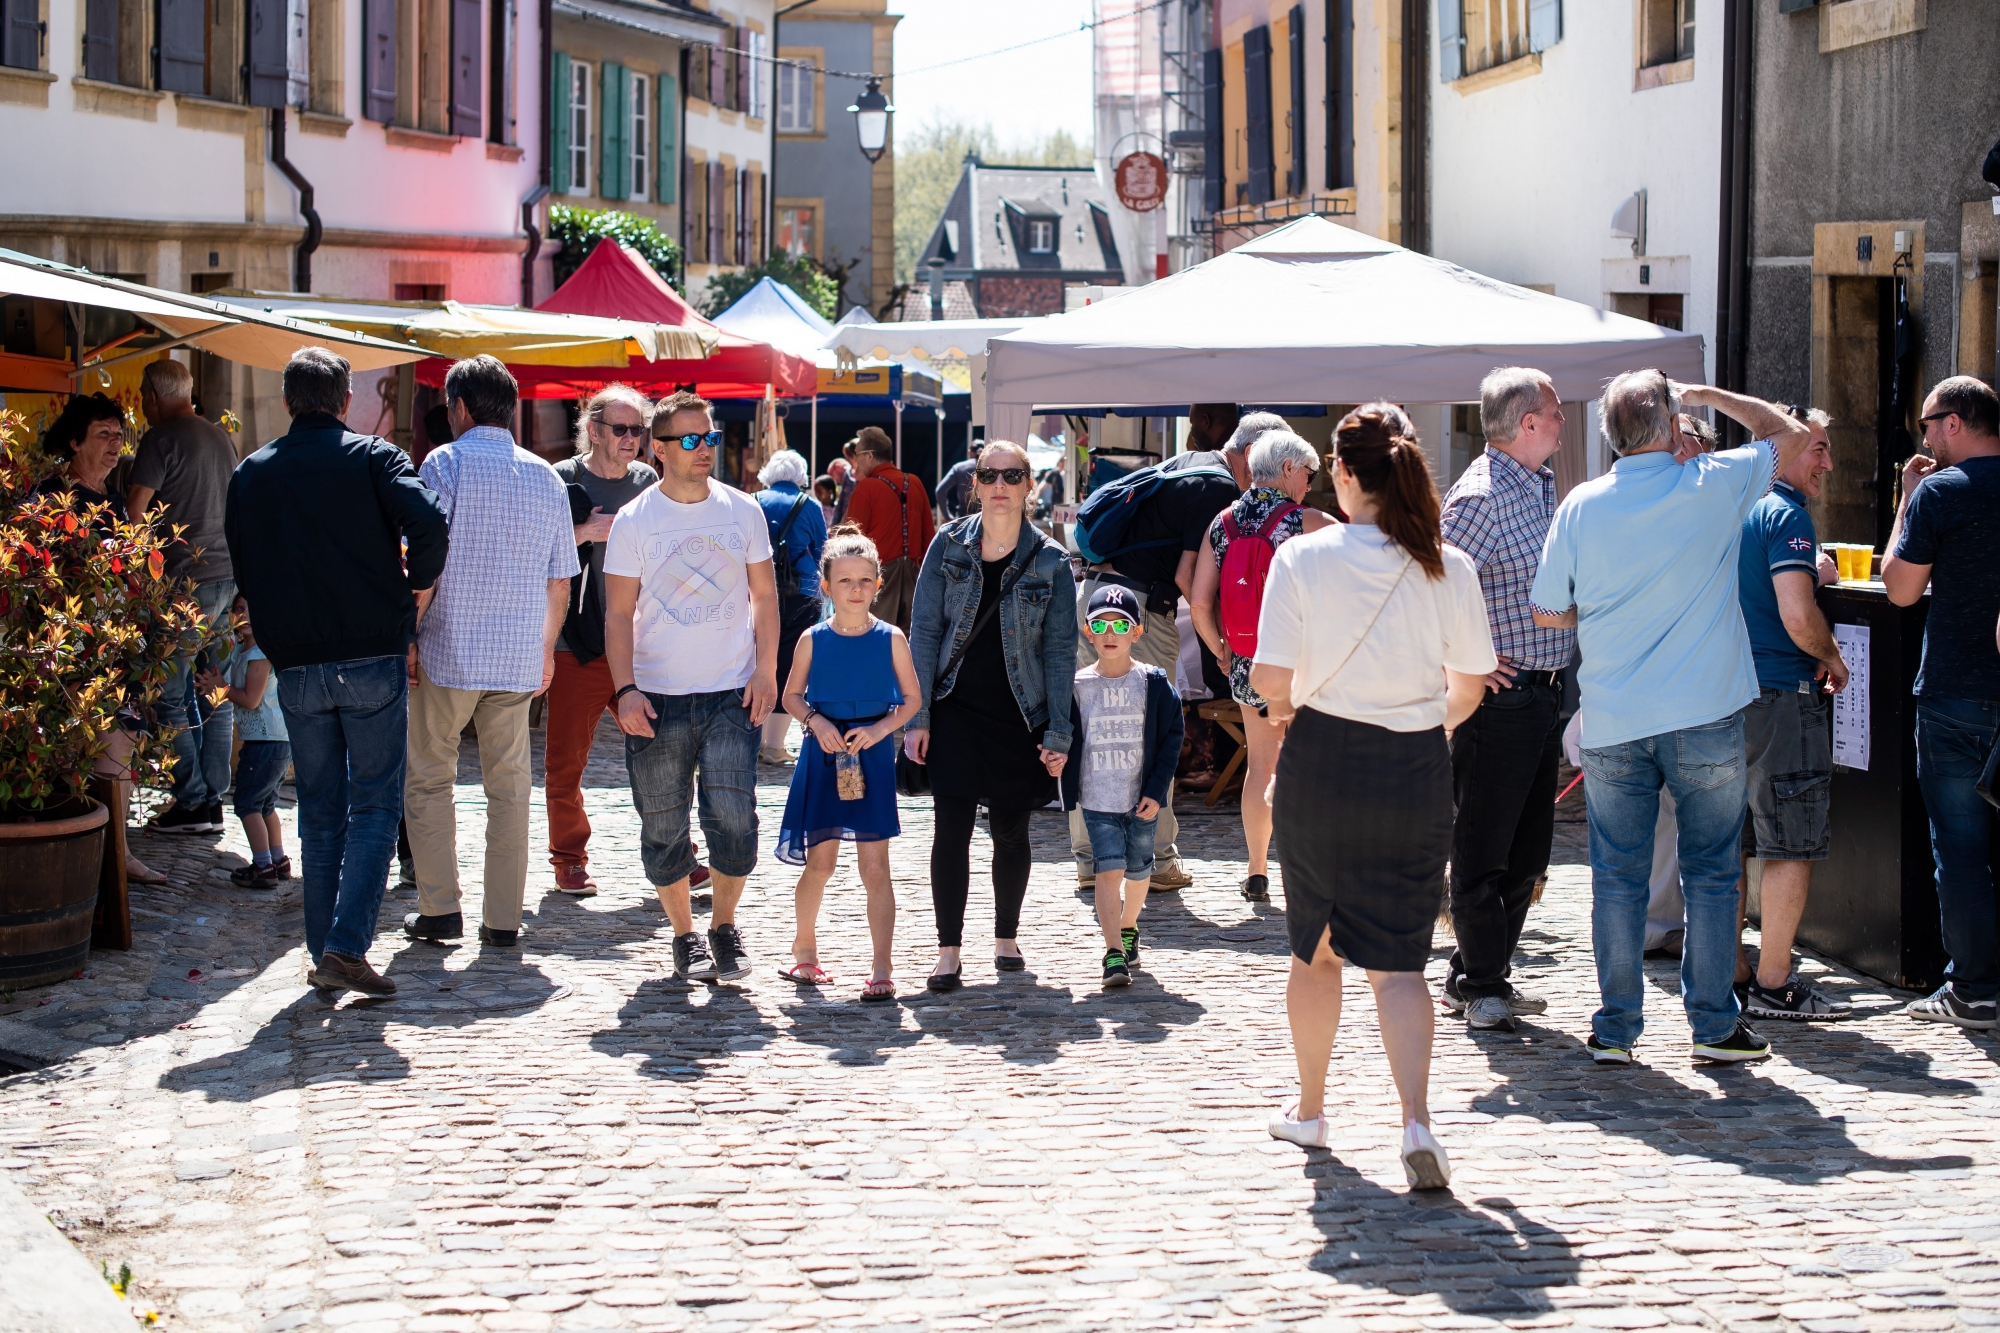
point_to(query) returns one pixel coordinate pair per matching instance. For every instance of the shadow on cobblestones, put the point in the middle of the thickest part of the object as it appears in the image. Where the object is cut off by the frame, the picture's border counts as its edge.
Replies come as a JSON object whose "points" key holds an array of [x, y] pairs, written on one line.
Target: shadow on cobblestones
{"points": [[1033, 1024], [684, 1031], [1485, 1258]]}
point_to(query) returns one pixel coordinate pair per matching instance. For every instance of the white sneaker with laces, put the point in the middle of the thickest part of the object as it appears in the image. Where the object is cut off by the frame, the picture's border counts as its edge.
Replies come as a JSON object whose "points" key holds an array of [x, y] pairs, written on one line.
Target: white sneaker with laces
{"points": [[1286, 1125], [1425, 1165]]}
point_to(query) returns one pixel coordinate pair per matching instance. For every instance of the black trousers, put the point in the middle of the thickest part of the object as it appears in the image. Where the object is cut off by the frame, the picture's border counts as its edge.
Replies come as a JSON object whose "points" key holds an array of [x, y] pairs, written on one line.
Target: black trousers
{"points": [[951, 867], [1503, 762]]}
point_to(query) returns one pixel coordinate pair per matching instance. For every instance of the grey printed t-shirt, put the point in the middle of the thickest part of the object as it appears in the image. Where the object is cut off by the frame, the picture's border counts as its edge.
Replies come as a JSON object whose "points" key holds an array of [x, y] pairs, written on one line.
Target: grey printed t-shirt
{"points": [[610, 496], [187, 462], [1114, 739]]}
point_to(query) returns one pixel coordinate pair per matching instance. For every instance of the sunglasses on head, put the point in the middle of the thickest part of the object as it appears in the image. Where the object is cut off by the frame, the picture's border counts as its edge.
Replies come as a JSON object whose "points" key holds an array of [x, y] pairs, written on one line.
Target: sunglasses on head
{"points": [[692, 442], [1114, 625], [621, 430], [1013, 476]]}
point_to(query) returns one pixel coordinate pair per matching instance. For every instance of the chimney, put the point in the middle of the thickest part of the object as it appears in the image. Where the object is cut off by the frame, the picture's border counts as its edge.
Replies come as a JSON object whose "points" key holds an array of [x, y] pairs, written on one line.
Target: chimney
{"points": [[937, 287]]}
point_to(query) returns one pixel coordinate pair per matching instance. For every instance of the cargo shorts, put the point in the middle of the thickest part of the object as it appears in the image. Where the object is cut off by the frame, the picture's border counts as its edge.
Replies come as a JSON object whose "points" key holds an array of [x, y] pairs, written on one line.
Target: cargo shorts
{"points": [[1788, 741]]}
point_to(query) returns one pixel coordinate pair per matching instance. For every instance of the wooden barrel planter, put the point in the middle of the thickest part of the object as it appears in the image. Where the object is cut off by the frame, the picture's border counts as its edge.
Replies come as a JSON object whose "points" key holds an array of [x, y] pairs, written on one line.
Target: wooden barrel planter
{"points": [[49, 872]]}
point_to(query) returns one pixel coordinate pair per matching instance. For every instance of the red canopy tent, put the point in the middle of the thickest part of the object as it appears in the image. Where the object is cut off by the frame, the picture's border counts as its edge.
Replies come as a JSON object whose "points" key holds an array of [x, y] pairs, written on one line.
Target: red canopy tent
{"points": [[614, 280]]}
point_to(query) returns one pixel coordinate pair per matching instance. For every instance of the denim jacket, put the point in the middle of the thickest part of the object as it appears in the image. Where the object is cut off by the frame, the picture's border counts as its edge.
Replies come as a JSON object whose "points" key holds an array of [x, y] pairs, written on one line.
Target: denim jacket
{"points": [[1037, 624]]}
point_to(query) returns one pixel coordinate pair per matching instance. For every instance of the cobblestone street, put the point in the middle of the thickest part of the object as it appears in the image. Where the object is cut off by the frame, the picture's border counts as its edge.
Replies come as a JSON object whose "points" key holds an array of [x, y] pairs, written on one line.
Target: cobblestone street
{"points": [[562, 1137]]}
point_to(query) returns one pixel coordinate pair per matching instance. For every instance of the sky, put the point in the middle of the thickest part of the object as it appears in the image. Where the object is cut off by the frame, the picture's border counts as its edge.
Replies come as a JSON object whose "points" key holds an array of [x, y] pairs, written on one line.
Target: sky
{"points": [[1023, 94]]}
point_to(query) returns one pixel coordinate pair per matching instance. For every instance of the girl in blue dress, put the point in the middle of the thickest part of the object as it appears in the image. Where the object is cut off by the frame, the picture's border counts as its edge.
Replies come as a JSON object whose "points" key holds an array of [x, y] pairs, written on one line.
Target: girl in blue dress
{"points": [[853, 686]]}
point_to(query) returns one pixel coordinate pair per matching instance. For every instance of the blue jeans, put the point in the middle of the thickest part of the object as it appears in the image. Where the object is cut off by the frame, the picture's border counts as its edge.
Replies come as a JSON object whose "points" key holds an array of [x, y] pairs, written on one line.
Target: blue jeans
{"points": [[709, 733], [201, 748], [349, 728], [1705, 770], [1954, 736], [260, 771], [1121, 842]]}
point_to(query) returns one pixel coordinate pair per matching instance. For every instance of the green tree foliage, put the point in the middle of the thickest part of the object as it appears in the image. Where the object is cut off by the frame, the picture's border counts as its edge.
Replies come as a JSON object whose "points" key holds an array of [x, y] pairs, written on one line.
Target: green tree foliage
{"points": [[929, 161], [580, 229], [801, 273]]}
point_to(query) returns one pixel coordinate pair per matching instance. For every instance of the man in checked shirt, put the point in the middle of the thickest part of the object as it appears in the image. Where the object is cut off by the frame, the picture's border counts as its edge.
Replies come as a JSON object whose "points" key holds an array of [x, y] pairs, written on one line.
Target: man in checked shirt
{"points": [[1504, 756]]}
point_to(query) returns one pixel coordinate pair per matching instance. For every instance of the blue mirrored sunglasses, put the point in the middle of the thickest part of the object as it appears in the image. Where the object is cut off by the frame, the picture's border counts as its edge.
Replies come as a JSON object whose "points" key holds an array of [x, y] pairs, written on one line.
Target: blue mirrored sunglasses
{"points": [[713, 439]]}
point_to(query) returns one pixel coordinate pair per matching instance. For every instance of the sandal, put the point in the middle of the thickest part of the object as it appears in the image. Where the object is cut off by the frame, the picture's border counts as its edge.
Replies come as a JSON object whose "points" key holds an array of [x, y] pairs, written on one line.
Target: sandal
{"points": [[807, 974], [877, 990]]}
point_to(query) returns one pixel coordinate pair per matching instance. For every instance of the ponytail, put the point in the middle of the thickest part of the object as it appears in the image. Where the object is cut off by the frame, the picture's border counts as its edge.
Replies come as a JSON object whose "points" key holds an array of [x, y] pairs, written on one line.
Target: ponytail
{"points": [[1379, 447]]}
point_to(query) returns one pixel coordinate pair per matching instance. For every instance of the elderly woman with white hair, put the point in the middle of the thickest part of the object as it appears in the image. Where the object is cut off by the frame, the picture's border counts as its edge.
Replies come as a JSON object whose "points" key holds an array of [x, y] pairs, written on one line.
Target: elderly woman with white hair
{"points": [[798, 537], [1228, 594]]}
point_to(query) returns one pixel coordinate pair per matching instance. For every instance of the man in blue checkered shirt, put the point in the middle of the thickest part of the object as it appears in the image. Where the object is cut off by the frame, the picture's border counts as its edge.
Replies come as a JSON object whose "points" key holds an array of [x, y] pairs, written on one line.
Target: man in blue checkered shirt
{"points": [[486, 646], [1504, 756]]}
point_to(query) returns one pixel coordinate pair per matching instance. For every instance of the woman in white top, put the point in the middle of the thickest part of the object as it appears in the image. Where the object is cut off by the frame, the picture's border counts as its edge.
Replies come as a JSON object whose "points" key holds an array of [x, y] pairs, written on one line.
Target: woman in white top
{"points": [[1373, 643]]}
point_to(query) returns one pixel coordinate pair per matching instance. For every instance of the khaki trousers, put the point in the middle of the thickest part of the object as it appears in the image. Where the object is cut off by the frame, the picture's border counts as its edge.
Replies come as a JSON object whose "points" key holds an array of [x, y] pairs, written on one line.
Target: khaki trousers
{"points": [[1159, 646], [437, 716]]}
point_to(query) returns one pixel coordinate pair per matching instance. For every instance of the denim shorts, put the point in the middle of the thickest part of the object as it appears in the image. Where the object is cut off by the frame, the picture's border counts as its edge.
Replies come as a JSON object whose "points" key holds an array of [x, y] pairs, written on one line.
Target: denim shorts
{"points": [[260, 769], [709, 734], [1788, 741], [1121, 842]]}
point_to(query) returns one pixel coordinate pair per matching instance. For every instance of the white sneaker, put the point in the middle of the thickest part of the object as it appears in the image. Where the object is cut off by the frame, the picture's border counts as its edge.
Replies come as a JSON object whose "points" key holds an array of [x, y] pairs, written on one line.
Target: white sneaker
{"points": [[1286, 1125], [1425, 1165]]}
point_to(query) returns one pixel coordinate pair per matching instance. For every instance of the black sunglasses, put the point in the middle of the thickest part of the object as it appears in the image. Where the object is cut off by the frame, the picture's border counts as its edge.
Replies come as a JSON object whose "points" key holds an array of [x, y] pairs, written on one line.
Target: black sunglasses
{"points": [[1922, 422], [692, 442], [1013, 476], [621, 430]]}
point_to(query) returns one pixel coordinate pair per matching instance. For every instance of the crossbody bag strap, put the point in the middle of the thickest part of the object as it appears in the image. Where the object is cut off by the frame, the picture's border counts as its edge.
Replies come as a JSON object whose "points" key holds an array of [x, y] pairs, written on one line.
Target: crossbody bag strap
{"points": [[1356, 647], [903, 498]]}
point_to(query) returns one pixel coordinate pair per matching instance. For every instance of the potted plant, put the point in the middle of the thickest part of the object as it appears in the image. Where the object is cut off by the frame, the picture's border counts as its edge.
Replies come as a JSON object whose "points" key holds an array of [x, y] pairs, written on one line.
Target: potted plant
{"points": [[89, 627]]}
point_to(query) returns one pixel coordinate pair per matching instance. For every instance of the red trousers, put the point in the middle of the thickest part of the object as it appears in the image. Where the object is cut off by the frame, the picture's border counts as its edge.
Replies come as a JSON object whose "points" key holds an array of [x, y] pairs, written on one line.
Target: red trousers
{"points": [[577, 699]]}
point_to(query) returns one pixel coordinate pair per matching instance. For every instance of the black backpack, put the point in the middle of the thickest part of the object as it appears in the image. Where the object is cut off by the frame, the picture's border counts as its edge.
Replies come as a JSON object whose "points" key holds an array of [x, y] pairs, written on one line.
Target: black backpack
{"points": [[785, 563]]}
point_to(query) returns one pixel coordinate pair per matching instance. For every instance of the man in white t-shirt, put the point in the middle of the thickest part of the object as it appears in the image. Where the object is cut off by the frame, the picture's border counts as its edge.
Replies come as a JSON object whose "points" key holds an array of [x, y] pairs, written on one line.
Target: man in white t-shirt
{"points": [[691, 632]]}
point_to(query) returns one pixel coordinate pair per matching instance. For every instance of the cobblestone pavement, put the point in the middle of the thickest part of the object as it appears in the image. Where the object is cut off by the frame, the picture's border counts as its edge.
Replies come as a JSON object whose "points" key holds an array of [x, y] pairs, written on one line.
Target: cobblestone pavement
{"points": [[562, 1138]]}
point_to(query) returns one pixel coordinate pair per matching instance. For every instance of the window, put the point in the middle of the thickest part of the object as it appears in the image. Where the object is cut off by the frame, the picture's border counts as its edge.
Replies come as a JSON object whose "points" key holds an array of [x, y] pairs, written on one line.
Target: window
{"points": [[1475, 35], [419, 291], [580, 123], [1666, 32], [1041, 238], [21, 33], [423, 62], [115, 41], [642, 139], [798, 230], [754, 77], [795, 98]]}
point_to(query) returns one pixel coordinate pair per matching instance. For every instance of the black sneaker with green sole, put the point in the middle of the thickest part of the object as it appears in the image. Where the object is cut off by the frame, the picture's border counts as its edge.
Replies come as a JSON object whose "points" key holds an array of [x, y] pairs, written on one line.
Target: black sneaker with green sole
{"points": [[1129, 936], [1740, 1045], [1116, 973]]}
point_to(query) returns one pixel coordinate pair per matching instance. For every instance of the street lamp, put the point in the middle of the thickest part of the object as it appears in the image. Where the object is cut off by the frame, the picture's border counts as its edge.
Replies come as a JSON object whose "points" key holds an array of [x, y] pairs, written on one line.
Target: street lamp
{"points": [[871, 120]]}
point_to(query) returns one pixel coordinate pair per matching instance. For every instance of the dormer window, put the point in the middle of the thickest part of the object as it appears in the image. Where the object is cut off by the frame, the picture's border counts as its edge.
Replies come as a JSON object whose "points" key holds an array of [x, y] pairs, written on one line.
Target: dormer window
{"points": [[1041, 237]]}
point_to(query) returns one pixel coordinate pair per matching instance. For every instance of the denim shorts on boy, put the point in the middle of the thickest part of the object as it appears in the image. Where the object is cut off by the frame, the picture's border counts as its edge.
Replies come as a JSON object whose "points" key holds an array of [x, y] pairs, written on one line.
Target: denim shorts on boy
{"points": [[1788, 743], [709, 732], [260, 770], [1121, 842]]}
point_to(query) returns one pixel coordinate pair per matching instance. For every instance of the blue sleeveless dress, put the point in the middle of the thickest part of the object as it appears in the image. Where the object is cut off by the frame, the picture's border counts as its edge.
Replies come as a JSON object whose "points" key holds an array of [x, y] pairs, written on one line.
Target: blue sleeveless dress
{"points": [[853, 679]]}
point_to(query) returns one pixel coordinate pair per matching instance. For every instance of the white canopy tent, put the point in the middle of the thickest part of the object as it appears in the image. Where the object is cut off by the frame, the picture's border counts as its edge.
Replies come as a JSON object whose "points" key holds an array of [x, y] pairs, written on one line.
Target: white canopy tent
{"points": [[1314, 313]]}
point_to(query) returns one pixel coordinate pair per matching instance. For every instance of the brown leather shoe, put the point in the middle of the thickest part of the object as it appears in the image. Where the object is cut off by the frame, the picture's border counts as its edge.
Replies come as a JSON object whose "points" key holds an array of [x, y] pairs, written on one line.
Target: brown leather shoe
{"points": [[337, 971], [575, 880]]}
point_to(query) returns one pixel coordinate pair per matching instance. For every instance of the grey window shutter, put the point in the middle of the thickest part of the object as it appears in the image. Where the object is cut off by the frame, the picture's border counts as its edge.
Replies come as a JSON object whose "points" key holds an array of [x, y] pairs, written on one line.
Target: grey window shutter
{"points": [[269, 74], [1545, 24], [21, 36], [378, 60], [467, 88], [559, 123], [1257, 100], [1451, 40], [666, 133], [1211, 120], [1340, 94], [1296, 184], [183, 49], [100, 40]]}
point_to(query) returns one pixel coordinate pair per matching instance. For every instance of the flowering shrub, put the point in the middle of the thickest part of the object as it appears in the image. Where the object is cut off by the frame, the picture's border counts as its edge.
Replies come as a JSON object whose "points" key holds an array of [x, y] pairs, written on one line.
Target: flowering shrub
{"points": [[89, 628]]}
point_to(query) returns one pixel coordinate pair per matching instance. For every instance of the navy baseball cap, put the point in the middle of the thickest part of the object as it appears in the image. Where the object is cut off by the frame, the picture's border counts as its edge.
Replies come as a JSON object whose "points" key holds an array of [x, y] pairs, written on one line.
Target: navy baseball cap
{"points": [[1111, 597]]}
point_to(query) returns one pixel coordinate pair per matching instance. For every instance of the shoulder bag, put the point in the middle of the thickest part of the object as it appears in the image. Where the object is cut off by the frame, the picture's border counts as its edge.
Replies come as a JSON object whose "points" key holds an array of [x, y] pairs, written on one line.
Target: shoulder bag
{"points": [[1356, 646]]}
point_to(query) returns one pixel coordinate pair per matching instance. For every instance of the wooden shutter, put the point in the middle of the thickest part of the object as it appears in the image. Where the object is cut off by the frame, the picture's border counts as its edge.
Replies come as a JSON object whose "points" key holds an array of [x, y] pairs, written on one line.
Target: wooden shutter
{"points": [[1545, 24], [697, 72], [21, 34], [739, 68], [666, 133], [1211, 119], [718, 212], [378, 59], [559, 144], [1451, 40], [268, 72], [614, 156], [183, 47], [467, 74], [100, 40], [695, 223], [718, 78], [759, 243], [1339, 94], [1295, 182], [1257, 105]]}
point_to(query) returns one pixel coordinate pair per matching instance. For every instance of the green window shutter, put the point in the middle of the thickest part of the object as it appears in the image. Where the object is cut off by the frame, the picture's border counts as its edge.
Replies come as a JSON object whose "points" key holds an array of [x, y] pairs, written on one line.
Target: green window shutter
{"points": [[666, 132], [559, 123], [614, 164]]}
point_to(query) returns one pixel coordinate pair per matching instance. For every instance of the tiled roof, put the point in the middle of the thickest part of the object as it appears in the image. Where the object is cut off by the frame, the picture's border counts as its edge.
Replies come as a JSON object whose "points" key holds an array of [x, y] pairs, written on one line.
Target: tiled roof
{"points": [[916, 306], [989, 224]]}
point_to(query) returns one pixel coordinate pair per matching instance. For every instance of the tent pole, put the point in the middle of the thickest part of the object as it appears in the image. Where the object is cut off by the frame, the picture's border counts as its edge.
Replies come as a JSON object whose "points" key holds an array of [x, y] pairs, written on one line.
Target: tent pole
{"points": [[815, 432], [899, 434]]}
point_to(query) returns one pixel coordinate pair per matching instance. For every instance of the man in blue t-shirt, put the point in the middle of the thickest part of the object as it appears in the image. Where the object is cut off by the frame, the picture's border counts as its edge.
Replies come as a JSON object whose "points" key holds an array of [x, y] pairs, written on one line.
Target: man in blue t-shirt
{"points": [[1787, 735], [1947, 535]]}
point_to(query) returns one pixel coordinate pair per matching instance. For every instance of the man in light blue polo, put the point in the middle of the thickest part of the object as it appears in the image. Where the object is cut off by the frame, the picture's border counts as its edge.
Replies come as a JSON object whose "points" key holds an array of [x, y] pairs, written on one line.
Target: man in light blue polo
{"points": [[1643, 562]]}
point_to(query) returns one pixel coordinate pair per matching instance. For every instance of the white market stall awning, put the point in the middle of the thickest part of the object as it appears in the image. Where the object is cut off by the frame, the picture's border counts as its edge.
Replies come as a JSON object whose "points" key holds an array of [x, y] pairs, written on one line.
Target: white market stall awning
{"points": [[1314, 312], [933, 338]]}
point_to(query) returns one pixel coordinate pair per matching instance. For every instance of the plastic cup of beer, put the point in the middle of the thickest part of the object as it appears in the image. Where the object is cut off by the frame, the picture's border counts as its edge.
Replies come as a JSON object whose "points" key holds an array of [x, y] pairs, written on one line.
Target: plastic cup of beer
{"points": [[1843, 559], [1851, 567]]}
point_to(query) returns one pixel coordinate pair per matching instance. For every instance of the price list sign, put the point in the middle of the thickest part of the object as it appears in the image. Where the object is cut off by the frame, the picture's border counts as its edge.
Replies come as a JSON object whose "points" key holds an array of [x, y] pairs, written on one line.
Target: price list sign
{"points": [[1850, 706]]}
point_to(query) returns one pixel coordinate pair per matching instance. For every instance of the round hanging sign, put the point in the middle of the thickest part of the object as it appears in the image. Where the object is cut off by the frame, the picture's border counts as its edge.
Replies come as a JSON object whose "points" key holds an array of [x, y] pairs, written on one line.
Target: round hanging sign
{"points": [[1141, 182]]}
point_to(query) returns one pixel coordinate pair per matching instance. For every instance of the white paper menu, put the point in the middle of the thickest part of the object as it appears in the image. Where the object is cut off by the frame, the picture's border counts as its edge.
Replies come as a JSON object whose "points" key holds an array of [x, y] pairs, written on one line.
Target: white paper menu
{"points": [[1850, 706]]}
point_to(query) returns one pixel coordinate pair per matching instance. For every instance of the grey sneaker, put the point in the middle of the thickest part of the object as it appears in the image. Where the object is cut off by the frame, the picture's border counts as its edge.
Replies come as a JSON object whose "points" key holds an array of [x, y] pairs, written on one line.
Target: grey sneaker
{"points": [[726, 945], [1944, 1006], [1490, 1013], [1796, 1001], [691, 960]]}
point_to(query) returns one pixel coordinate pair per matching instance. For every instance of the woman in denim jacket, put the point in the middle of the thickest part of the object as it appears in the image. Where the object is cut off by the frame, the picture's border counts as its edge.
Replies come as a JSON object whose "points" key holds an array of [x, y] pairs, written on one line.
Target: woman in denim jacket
{"points": [[993, 635]]}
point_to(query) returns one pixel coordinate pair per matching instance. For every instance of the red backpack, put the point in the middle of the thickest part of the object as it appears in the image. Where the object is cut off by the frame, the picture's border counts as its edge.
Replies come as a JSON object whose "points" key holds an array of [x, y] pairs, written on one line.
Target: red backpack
{"points": [[1246, 565]]}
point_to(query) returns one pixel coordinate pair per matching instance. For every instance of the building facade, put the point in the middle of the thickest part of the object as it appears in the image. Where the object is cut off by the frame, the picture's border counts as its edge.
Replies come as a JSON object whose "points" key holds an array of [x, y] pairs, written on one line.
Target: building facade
{"points": [[831, 203], [726, 172], [1019, 237]]}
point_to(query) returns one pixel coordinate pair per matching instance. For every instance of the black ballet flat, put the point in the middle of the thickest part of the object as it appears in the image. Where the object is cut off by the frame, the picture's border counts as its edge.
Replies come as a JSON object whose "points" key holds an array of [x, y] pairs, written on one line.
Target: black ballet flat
{"points": [[1009, 963], [946, 981]]}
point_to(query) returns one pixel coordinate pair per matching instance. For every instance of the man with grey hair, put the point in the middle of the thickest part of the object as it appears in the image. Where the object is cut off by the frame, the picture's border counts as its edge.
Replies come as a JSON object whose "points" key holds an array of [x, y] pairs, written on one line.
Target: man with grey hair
{"points": [[1642, 562], [486, 646], [180, 474], [332, 535], [1504, 757]]}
